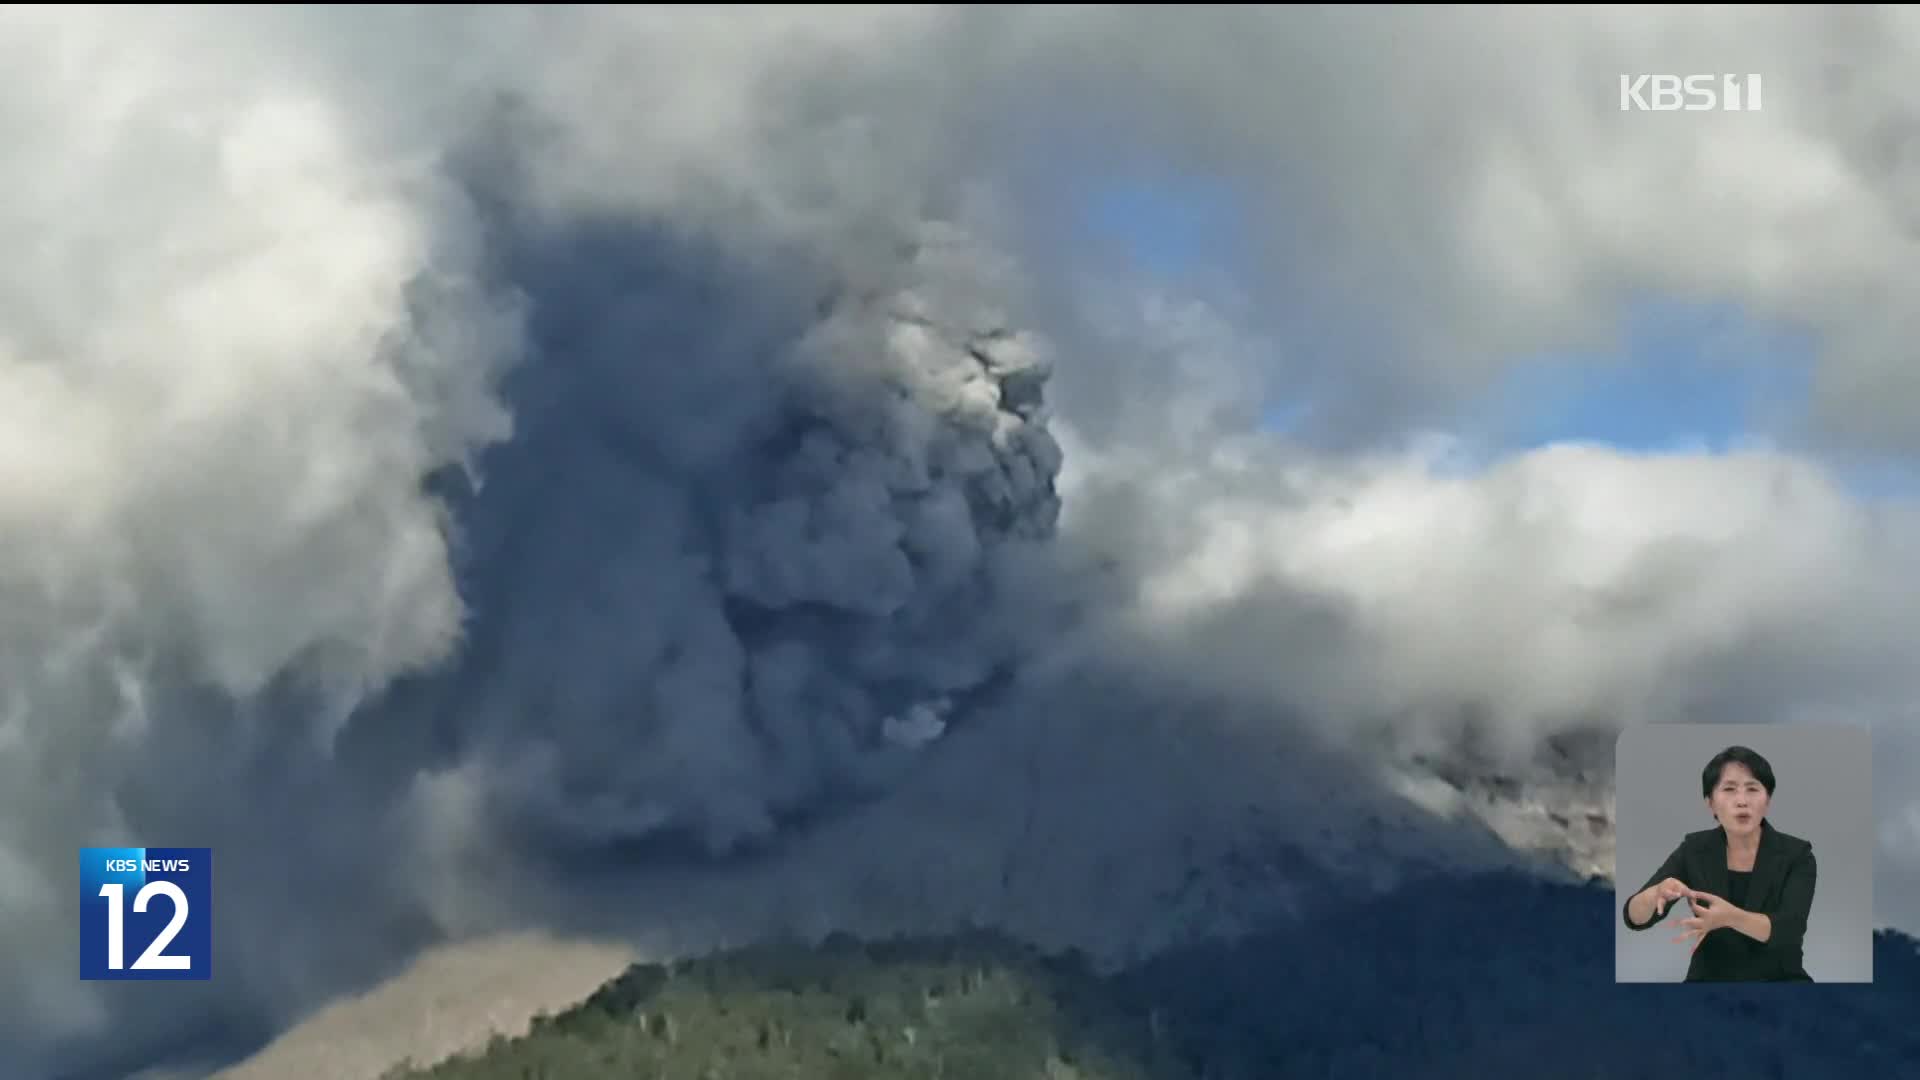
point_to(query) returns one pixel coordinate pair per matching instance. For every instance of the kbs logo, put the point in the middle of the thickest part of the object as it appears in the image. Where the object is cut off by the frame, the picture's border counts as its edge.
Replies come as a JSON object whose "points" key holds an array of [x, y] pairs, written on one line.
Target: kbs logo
{"points": [[1693, 93], [146, 913]]}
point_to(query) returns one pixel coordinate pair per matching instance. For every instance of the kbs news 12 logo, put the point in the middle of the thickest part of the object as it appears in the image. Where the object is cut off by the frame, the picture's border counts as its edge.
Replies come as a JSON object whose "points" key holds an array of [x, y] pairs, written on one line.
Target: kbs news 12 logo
{"points": [[146, 913], [1691, 93]]}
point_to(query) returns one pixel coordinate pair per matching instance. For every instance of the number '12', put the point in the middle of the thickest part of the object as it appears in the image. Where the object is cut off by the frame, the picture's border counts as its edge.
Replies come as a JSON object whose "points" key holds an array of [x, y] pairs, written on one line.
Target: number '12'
{"points": [[155, 958]]}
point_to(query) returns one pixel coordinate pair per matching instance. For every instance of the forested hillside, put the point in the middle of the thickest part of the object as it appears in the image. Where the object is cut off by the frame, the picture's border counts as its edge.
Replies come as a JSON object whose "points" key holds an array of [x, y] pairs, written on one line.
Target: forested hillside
{"points": [[1457, 978]]}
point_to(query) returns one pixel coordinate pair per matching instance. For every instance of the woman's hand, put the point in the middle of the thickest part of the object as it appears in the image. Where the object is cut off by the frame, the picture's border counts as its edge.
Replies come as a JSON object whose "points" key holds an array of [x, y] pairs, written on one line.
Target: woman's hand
{"points": [[1667, 892], [1710, 913]]}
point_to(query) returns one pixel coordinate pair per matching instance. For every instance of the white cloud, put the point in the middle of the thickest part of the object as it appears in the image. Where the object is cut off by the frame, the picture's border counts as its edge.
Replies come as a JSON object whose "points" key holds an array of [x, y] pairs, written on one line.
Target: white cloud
{"points": [[1558, 585], [1417, 594]]}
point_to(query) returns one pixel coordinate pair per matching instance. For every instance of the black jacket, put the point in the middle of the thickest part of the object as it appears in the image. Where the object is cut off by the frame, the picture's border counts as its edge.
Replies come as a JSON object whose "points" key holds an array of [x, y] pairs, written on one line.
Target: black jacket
{"points": [[1781, 888]]}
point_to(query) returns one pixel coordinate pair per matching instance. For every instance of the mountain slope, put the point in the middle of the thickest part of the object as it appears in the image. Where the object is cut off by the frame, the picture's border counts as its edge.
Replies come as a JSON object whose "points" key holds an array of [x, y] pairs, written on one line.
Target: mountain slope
{"points": [[1449, 977]]}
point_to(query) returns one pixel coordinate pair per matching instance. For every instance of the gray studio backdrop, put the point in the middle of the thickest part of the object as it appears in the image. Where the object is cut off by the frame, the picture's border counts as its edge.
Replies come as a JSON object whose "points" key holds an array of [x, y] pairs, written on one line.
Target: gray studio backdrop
{"points": [[1822, 794]]}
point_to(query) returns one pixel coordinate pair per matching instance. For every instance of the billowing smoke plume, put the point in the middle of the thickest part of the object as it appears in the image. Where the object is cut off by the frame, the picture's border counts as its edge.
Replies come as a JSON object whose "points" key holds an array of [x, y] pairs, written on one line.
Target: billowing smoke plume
{"points": [[760, 532], [765, 570], [369, 505], [438, 451]]}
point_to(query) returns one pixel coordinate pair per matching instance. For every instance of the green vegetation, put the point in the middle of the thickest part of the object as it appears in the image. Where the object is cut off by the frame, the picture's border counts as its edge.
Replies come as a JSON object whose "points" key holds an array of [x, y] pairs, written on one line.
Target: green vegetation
{"points": [[971, 1007], [1452, 978]]}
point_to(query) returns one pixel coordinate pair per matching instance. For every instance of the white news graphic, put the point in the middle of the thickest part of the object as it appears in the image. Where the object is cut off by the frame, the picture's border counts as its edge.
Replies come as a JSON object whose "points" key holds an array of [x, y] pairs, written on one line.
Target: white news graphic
{"points": [[146, 913], [1690, 93]]}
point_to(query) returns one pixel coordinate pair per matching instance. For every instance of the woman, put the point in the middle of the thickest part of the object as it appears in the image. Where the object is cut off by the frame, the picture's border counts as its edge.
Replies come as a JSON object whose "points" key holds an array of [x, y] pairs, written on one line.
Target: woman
{"points": [[1748, 885]]}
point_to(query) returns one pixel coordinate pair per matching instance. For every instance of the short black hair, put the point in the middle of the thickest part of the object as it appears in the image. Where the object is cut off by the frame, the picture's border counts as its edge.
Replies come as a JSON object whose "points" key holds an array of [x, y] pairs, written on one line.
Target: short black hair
{"points": [[1740, 755]]}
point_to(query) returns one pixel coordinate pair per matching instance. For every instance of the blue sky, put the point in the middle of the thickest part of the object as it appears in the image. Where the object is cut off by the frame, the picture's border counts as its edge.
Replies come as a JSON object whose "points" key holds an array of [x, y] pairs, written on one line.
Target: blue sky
{"points": [[1678, 377], [1171, 227]]}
